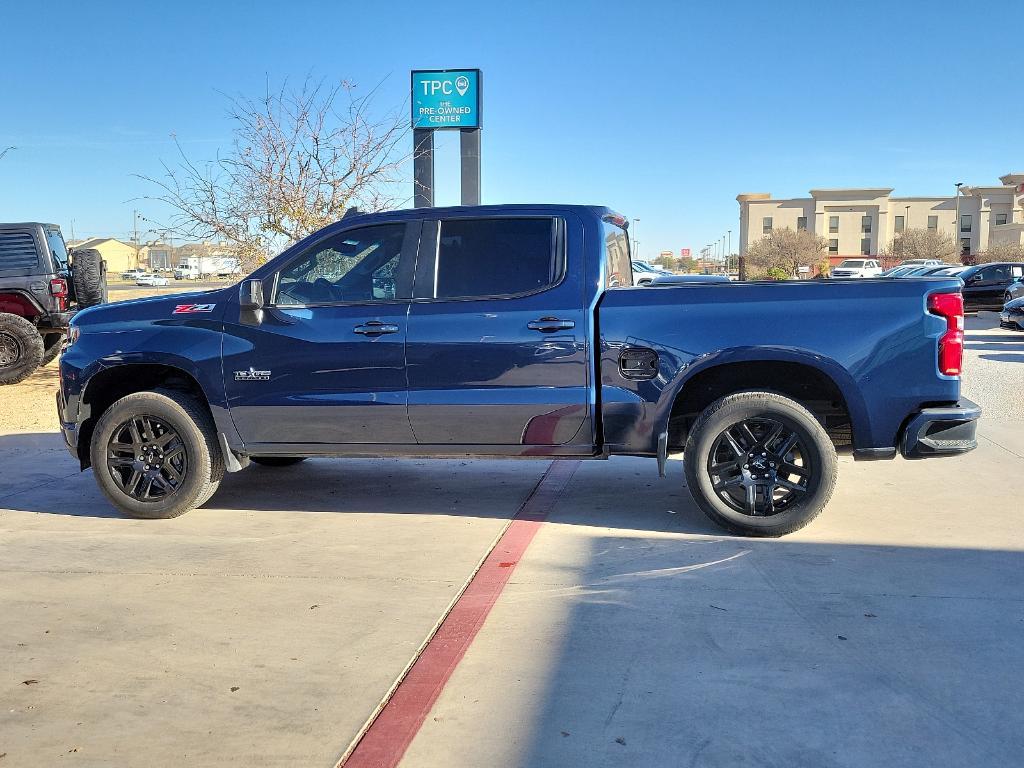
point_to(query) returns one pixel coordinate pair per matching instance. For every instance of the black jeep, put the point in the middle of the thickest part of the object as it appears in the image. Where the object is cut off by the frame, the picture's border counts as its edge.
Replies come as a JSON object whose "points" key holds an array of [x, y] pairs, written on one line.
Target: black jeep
{"points": [[41, 287]]}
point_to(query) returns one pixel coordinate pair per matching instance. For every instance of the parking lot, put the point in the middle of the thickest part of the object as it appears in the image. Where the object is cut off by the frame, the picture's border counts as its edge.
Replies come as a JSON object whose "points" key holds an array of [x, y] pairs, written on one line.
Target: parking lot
{"points": [[268, 628]]}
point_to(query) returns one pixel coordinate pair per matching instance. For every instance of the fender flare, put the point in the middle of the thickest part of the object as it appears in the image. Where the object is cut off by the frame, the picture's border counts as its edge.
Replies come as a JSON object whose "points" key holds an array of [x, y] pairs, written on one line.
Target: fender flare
{"points": [[125, 360], [845, 383]]}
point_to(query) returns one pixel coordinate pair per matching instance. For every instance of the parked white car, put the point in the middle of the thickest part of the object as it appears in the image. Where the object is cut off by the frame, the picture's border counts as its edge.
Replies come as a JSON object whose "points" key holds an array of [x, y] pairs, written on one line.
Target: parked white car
{"points": [[922, 263], [151, 279], [644, 273], [857, 268]]}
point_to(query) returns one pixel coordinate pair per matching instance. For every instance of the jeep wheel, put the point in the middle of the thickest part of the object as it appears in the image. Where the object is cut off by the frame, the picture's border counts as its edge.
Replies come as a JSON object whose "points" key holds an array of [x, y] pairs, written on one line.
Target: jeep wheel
{"points": [[21, 348], [155, 454], [52, 343], [87, 278], [759, 464], [277, 461]]}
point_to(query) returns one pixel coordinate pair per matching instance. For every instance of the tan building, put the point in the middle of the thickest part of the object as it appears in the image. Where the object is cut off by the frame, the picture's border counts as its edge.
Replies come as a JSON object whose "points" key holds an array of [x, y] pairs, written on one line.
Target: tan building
{"points": [[862, 222], [118, 256]]}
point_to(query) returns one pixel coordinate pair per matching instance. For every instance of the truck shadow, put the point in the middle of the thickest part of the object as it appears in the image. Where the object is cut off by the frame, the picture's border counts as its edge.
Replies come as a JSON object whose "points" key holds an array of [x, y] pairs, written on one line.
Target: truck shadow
{"points": [[38, 475]]}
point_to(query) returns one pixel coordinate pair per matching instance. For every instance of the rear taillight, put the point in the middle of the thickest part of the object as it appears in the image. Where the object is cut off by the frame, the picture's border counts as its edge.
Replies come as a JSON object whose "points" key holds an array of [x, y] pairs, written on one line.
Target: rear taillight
{"points": [[59, 290], [951, 343]]}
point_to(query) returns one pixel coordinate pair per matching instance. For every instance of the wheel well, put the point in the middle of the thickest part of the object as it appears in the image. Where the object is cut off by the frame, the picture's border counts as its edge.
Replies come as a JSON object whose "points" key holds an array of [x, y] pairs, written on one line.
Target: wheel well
{"points": [[111, 384], [16, 304], [810, 387]]}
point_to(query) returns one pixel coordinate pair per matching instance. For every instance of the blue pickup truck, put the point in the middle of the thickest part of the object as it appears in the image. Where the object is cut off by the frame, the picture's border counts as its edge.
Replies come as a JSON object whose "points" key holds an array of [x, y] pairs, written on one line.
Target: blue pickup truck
{"points": [[514, 330]]}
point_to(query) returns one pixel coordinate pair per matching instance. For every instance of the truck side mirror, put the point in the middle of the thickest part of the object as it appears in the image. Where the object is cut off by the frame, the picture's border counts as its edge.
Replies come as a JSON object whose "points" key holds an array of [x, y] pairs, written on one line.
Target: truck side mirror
{"points": [[250, 295], [250, 302]]}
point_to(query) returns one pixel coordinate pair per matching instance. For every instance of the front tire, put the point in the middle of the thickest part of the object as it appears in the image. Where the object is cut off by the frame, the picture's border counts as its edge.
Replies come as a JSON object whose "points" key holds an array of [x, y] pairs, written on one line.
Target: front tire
{"points": [[759, 464], [155, 454]]}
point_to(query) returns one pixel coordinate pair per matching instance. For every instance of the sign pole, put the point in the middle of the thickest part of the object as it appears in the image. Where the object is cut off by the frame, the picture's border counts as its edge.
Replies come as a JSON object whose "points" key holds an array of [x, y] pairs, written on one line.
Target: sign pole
{"points": [[445, 99], [470, 150], [423, 167]]}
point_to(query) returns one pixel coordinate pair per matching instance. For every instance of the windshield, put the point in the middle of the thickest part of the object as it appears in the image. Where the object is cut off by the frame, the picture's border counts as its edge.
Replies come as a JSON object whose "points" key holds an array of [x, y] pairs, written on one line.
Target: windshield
{"points": [[854, 263], [55, 241]]}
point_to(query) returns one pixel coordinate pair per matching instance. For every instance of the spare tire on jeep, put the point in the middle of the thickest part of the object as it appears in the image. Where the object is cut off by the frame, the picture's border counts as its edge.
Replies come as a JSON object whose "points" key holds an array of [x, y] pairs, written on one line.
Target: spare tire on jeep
{"points": [[87, 277]]}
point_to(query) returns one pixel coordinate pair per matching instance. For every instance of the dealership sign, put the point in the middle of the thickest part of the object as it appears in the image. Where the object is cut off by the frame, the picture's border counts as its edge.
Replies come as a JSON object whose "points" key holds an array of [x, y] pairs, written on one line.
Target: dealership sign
{"points": [[446, 98]]}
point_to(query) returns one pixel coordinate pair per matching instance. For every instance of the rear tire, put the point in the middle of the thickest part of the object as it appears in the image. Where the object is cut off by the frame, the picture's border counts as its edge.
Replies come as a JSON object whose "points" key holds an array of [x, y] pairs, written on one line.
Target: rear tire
{"points": [[88, 280], [21, 348], [276, 461], [192, 454], [753, 483], [52, 343]]}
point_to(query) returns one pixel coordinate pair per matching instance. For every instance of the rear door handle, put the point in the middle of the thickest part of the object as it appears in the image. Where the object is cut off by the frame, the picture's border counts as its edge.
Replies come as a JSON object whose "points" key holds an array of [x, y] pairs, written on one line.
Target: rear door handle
{"points": [[375, 328], [549, 324]]}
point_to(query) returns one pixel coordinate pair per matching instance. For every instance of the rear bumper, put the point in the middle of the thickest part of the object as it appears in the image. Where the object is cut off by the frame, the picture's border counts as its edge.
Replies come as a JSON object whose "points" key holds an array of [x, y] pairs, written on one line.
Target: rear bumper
{"points": [[56, 321], [941, 431]]}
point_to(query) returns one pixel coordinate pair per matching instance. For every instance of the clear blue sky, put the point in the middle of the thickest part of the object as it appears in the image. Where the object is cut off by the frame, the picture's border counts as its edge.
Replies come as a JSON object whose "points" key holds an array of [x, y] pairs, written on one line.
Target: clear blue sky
{"points": [[664, 111]]}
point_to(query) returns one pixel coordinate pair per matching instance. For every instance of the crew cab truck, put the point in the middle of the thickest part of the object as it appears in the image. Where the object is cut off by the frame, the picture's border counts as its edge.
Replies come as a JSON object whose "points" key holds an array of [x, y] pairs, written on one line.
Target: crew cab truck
{"points": [[496, 331]]}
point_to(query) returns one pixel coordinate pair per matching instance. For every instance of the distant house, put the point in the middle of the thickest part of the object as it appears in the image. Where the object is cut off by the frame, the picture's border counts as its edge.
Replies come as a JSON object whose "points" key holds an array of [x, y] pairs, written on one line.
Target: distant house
{"points": [[118, 256]]}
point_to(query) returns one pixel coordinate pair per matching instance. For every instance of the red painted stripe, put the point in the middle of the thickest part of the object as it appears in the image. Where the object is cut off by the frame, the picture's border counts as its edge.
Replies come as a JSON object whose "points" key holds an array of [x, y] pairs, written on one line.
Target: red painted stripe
{"points": [[392, 731]]}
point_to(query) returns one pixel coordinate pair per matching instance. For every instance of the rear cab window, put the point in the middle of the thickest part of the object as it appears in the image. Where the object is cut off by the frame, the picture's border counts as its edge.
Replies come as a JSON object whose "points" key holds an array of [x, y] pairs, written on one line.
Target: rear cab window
{"points": [[59, 251], [618, 269], [497, 257]]}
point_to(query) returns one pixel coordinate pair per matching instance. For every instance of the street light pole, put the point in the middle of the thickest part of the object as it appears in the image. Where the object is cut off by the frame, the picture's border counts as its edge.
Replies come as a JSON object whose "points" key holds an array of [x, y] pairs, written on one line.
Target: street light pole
{"points": [[636, 243], [956, 222]]}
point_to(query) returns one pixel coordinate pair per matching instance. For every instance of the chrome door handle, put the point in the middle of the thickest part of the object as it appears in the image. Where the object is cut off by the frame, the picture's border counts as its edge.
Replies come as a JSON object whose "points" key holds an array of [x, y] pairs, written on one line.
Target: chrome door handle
{"points": [[549, 324], [375, 328]]}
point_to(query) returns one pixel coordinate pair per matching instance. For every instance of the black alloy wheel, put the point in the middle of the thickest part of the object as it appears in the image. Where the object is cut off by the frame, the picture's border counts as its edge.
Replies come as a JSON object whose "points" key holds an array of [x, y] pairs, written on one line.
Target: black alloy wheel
{"points": [[758, 463], [146, 458], [759, 466]]}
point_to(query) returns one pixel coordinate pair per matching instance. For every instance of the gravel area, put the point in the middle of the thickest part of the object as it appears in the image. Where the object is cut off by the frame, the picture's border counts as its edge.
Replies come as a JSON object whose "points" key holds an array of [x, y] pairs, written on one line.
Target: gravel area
{"points": [[994, 367]]}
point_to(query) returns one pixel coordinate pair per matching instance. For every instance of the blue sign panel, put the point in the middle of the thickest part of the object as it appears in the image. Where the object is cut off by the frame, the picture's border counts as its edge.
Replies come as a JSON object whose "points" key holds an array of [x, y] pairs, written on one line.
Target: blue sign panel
{"points": [[446, 98]]}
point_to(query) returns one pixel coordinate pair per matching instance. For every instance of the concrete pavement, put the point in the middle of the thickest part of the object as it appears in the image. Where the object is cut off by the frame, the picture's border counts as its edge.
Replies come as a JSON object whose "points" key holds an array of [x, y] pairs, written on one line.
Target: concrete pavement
{"points": [[266, 636], [266, 628], [891, 632]]}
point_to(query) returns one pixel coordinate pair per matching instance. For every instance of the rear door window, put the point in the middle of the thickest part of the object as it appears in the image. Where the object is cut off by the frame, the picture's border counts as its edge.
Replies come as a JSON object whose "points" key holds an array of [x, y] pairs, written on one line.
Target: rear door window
{"points": [[17, 251], [496, 257]]}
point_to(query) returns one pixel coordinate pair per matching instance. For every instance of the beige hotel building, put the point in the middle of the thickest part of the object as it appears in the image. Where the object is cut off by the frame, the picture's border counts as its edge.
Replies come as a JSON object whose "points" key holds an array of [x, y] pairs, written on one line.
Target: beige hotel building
{"points": [[862, 222]]}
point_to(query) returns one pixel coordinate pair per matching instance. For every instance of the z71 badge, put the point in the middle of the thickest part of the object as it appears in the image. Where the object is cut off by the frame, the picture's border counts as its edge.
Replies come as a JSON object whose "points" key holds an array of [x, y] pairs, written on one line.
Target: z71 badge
{"points": [[188, 309], [252, 375]]}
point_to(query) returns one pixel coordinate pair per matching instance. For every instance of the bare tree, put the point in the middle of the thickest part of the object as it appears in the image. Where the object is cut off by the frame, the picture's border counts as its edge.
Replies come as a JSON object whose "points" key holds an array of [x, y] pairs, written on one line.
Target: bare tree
{"points": [[1001, 252], [299, 159], [923, 244], [4, 151], [780, 253]]}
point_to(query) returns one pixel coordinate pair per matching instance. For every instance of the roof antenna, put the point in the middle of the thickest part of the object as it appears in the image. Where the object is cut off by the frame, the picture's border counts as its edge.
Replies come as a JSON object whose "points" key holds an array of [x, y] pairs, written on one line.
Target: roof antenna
{"points": [[353, 211]]}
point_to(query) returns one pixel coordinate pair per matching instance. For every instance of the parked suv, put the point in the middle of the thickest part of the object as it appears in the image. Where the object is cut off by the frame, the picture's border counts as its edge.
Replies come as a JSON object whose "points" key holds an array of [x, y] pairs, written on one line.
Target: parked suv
{"points": [[985, 285], [857, 268], [40, 290]]}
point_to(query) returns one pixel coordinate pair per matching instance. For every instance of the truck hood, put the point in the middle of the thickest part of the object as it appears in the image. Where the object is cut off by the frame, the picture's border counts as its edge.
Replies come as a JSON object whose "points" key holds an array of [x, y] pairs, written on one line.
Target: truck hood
{"points": [[176, 306]]}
